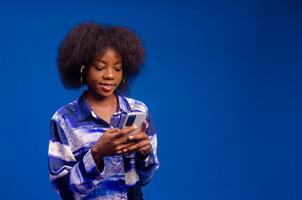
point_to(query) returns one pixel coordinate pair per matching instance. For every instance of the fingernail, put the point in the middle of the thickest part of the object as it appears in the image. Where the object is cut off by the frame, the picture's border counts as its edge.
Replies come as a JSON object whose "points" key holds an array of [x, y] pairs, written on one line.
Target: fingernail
{"points": [[125, 150], [130, 137], [134, 126]]}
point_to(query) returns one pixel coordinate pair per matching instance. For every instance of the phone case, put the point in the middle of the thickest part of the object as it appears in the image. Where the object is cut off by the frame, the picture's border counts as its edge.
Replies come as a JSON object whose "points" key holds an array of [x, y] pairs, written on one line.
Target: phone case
{"points": [[134, 118]]}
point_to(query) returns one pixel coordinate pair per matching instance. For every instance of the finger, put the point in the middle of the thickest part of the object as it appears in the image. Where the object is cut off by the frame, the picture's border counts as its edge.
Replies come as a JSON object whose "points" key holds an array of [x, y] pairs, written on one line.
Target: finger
{"points": [[123, 139], [144, 126], [115, 133], [137, 137], [123, 132], [137, 146], [119, 140], [145, 149], [128, 129], [123, 147], [112, 130]]}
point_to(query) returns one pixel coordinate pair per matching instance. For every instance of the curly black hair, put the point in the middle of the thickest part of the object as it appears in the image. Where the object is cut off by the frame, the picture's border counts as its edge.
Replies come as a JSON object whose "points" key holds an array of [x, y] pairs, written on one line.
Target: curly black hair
{"points": [[86, 41]]}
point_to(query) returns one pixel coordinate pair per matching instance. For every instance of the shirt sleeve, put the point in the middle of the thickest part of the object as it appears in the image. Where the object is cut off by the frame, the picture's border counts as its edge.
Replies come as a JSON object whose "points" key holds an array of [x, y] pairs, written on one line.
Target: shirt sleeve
{"points": [[72, 179], [146, 168]]}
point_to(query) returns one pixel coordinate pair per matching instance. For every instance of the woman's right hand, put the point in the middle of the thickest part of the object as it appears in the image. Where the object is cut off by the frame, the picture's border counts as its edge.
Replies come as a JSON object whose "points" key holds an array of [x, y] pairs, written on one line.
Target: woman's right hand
{"points": [[112, 142]]}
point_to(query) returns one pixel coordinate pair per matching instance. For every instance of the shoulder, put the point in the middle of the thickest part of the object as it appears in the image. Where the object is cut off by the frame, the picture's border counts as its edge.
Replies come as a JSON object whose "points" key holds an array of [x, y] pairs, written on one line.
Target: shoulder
{"points": [[136, 105], [65, 111]]}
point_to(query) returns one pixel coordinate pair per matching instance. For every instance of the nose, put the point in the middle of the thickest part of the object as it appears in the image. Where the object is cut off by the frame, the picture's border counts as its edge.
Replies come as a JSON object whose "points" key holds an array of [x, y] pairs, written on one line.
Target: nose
{"points": [[109, 74]]}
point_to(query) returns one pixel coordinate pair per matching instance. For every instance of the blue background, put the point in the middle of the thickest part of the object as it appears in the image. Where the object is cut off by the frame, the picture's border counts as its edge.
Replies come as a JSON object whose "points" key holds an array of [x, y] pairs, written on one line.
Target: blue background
{"points": [[222, 80]]}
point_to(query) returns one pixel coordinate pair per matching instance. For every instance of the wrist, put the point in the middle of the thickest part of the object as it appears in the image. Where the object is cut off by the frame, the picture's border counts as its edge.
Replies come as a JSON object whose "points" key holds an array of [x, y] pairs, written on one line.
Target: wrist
{"points": [[95, 154], [98, 159]]}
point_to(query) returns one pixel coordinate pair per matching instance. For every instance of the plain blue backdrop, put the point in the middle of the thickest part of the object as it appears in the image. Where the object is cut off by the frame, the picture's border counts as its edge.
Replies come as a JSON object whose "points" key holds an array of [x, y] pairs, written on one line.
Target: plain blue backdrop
{"points": [[222, 80]]}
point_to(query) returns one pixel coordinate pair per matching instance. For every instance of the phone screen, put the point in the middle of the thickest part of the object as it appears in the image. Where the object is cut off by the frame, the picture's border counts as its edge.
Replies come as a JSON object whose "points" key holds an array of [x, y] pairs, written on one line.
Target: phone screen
{"points": [[130, 120]]}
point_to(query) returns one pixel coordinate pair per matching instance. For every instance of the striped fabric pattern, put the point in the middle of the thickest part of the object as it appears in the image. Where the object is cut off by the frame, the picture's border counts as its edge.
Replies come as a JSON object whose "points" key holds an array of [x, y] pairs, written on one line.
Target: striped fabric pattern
{"points": [[74, 130]]}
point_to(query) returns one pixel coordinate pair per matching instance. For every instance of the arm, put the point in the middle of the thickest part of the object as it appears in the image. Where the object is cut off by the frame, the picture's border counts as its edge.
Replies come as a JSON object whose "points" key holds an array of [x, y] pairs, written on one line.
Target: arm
{"points": [[72, 179]]}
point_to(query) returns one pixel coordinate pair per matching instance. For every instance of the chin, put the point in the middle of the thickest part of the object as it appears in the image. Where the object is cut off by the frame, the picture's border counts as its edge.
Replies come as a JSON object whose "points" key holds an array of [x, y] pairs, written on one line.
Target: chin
{"points": [[105, 94]]}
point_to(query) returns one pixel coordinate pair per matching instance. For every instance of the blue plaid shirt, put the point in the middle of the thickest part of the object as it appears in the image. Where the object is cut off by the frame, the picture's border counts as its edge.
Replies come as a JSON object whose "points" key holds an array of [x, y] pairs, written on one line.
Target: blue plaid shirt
{"points": [[75, 128]]}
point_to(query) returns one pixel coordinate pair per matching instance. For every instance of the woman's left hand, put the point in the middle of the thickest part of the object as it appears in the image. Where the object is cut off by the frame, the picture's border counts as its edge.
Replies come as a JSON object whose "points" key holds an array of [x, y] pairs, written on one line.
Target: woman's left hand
{"points": [[142, 144]]}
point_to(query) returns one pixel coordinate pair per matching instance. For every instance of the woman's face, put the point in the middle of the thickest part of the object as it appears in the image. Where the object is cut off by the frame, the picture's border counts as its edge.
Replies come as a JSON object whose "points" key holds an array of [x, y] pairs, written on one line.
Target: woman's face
{"points": [[105, 74]]}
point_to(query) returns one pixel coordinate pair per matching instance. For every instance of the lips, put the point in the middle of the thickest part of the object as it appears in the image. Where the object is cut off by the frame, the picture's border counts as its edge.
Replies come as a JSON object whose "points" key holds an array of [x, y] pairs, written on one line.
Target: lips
{"points": [[107, 86]]}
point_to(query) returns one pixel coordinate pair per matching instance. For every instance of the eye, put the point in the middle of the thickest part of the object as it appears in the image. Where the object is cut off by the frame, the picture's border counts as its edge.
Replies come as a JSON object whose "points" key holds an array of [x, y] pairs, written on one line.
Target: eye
{"points": [[99, 67], [118, 68]]}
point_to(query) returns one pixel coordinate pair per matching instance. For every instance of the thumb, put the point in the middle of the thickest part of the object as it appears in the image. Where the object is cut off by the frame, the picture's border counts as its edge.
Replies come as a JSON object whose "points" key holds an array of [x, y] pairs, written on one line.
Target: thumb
{"points": [[144, 126]]}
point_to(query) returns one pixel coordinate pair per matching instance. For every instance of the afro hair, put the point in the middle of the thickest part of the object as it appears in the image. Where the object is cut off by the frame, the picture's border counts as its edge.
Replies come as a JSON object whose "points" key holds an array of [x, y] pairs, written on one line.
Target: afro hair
{"points": [[86, 41]]}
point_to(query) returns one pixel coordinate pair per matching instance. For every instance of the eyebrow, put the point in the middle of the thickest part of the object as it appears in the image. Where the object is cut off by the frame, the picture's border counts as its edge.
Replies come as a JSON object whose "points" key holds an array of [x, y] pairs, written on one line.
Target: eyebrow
{"points": [[102, 61]]}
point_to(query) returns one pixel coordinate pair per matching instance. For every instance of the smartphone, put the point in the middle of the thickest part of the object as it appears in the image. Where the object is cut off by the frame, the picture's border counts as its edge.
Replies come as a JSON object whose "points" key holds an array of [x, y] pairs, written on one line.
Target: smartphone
{"points": [[134, 118]]}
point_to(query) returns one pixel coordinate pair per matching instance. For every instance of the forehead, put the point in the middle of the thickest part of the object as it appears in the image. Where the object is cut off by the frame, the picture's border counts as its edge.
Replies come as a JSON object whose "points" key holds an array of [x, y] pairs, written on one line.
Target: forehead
{"points": [[109, 54]]}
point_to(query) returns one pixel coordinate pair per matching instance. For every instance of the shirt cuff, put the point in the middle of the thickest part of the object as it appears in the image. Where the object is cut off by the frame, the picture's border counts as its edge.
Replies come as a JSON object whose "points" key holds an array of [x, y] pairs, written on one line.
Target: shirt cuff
{"points": [[91, 167], [144, 163]]}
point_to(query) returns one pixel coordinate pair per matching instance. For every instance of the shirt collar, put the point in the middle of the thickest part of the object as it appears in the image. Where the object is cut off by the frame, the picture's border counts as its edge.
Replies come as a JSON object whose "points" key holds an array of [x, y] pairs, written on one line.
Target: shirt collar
{"points": [[83, 110], [123, 104]]}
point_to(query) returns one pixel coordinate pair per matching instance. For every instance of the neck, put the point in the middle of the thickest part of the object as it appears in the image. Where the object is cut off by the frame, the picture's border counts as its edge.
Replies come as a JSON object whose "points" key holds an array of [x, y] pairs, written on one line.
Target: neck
{"points": [[96, 100]]}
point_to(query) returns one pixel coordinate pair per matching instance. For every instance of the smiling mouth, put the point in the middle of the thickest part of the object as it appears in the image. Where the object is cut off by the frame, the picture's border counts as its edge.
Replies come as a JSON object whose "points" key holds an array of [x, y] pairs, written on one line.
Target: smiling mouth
{"points": [[107, 87]]}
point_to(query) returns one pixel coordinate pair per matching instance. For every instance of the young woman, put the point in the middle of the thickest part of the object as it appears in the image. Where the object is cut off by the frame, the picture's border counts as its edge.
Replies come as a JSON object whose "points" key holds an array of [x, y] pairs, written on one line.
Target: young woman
{"points": [[89, 156]]}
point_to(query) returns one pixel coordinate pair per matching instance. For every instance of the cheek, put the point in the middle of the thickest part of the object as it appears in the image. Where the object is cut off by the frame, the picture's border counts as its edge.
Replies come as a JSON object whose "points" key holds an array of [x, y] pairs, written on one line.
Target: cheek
{"points": [[120, 76], [92, 78]]}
